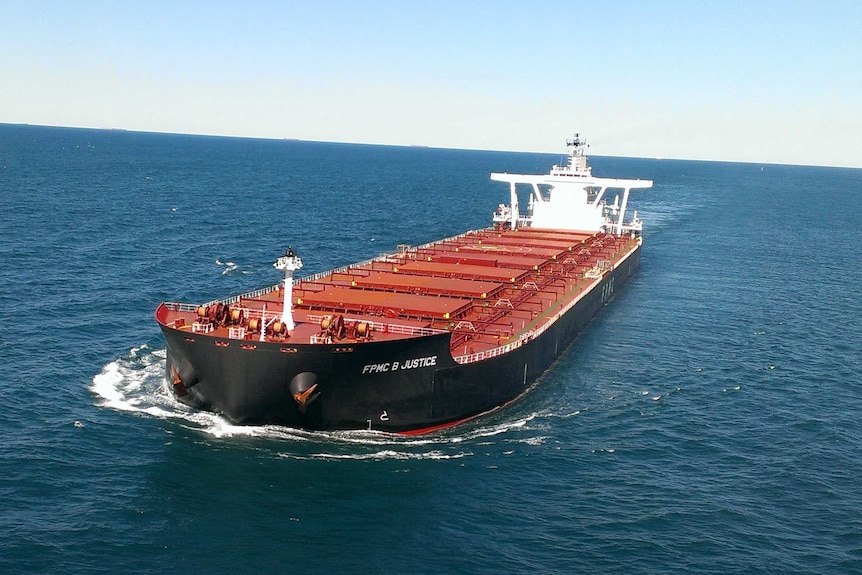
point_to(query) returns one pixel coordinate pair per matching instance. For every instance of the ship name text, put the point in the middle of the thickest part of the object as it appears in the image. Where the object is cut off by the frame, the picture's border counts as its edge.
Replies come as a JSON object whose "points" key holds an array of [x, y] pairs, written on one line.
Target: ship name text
{"points": [[395, 366]]}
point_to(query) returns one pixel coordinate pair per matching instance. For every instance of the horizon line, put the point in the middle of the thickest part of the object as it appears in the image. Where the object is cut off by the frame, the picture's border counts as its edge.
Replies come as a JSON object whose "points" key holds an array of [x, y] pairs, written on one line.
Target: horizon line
{"points": [[426, 146]]}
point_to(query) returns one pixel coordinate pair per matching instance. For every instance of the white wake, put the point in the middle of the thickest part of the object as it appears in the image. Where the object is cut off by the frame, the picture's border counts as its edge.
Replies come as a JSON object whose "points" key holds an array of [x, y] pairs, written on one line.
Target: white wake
{"points": [[135, 383]]}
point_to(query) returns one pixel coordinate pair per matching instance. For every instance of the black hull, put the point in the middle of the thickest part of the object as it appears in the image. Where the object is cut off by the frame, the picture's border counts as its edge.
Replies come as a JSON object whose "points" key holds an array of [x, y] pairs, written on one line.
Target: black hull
{"points": [[408, 385]]}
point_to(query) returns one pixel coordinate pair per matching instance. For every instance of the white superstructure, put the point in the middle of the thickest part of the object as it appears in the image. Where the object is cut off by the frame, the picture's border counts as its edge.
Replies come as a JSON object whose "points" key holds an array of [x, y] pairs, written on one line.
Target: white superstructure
{"points": [[570, 198]]}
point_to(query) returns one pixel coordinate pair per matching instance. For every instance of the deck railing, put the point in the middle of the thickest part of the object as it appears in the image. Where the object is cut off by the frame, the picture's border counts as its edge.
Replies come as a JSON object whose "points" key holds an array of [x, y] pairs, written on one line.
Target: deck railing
{"points": [[534, 333], [401, 329], [413, 331]]}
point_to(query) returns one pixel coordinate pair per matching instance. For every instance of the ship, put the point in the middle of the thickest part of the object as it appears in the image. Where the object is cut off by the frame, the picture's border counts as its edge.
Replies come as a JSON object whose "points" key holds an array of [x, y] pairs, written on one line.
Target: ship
{"points": [[425, 337]]}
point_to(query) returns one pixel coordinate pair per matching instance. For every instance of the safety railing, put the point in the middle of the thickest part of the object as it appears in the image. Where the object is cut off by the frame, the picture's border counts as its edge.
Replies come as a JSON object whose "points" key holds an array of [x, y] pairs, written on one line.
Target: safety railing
{"points": [[534, 333], [397, 328]]}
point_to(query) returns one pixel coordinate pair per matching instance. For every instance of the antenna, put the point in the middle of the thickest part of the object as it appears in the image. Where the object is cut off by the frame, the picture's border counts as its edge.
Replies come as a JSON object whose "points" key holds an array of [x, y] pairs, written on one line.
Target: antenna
{"points": [[577, 143]]}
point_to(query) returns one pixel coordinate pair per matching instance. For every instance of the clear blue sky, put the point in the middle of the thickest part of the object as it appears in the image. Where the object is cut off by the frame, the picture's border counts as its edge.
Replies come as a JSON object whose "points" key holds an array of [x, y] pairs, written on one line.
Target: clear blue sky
{"points": [[767, 81]]}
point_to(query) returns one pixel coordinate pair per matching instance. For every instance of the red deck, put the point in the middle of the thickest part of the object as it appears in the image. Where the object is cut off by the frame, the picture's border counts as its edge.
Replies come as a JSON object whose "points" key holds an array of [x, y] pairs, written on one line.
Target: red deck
{"points": [[487, 258], [345, 299], [485, 287], [467, 271], [426, 284]]}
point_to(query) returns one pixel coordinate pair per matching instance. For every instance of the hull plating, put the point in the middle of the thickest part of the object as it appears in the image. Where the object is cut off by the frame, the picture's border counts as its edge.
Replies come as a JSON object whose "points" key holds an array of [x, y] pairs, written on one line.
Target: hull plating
{"points": [[405, 385]]}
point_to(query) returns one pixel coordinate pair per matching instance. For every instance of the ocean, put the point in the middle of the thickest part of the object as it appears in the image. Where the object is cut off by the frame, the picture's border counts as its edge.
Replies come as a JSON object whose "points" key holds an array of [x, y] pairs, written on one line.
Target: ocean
{"points": [[707, 421]]}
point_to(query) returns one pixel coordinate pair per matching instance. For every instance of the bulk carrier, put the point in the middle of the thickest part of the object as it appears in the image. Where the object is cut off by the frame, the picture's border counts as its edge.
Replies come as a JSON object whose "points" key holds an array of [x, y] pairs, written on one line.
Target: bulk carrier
{"points": [[423, 338]]}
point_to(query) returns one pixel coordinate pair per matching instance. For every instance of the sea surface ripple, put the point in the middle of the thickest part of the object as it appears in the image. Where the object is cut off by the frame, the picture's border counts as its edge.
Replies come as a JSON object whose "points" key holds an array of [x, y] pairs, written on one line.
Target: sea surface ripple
{"points": [[705, 422]]}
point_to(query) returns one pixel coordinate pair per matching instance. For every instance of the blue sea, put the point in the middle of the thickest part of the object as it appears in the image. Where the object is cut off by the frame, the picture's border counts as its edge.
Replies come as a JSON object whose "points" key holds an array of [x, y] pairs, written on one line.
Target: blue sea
{"points": [[707, 421]]}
